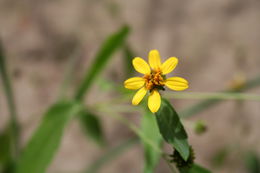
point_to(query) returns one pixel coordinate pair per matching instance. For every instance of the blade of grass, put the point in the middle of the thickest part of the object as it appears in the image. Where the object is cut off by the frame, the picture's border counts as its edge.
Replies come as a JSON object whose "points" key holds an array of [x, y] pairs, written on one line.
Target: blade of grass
{"points": [[104, 54], [128, 57], [14, 126]]}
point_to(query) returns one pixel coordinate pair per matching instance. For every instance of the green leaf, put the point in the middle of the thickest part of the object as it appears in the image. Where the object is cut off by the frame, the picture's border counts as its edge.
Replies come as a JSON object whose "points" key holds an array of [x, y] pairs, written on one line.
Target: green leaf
{"points": [[5, 147], [150, 131], [104, 54], [5, 150], [128, 57], [43, 145], [92, 126], [252, 162], [195, 169], [8, 91], [172, 129]]}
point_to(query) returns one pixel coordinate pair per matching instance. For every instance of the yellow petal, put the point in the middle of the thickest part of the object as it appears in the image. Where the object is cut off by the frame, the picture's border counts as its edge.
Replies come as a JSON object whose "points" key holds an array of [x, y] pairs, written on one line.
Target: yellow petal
{"points": [[134, 83], [141, 66], [154, 101], [169, 65], [138, 97], [177, 83], [154, 59]]}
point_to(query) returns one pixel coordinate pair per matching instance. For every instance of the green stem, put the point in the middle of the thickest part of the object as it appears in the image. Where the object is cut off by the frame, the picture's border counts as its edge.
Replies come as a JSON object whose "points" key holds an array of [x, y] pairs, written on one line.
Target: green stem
{"points": [[196, 108], [111, 154], [133, 127], [211, 99], [217, 96], [14, 126]]}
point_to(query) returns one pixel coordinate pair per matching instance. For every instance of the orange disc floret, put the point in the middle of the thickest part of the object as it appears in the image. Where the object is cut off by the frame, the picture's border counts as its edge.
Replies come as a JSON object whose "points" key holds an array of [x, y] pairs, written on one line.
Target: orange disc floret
{"points": [[153, 80]]}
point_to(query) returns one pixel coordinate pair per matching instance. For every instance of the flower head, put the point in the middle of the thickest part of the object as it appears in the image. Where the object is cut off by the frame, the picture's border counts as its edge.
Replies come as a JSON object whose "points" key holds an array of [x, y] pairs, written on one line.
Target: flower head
{"points": [[154, 79]]}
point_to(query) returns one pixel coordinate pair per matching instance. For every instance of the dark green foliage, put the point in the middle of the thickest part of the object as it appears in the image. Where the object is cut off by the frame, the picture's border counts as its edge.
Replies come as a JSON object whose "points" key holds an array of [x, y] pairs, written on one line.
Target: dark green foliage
{"points": [[172, 129], [194, 169], [252, 162], [5, 151], [43, 145], [92, 126], [5, 147], [180, 162], [128, 57], [13, 129]]}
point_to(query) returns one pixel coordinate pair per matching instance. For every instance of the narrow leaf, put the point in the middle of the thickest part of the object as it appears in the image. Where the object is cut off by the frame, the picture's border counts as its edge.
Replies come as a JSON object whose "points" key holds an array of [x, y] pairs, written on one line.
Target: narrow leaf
{"points": [[104, 54], [5, 150], [252, 162], [44, 143], [172, 129], [150, 130], [128, 57], [92, 126], [8, 91]]}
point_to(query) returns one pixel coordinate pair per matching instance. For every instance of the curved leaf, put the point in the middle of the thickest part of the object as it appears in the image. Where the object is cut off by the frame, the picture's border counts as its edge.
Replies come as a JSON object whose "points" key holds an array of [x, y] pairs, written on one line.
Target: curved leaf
{"points": [[92, 126], [172, 129]]}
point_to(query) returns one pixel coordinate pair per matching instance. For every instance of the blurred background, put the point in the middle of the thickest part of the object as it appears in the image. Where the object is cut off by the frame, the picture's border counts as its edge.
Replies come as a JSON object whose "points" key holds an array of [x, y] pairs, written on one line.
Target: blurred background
{"points": [[217, 43]]}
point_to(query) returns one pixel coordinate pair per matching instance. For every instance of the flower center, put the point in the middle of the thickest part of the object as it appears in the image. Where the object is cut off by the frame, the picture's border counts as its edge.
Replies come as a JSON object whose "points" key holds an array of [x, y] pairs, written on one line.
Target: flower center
{"points": [[154, 80]]}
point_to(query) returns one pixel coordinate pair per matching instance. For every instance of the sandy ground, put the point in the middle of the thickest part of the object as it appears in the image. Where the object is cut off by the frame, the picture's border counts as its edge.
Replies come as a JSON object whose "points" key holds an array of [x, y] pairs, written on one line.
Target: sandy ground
{"points": [[214, 40]]}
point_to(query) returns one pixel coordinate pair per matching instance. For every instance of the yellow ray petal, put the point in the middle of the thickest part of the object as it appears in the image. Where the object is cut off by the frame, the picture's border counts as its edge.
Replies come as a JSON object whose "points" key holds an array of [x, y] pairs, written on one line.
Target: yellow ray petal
{"points": [[169, 65], [154, 59], [154, 101], [134, 83], [177, 83], [141, 65], [138, 97]]}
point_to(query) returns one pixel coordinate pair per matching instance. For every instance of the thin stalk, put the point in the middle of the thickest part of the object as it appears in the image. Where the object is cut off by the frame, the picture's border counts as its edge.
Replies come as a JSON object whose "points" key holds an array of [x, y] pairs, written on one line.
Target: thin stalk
{"points": [[13, 123], [196, 108], [217, 96], [111, 154], [133, 127], [211, 99]]}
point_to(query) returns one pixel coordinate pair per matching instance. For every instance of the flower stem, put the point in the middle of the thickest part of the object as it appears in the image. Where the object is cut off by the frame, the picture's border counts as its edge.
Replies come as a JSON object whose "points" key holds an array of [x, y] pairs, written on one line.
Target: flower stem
{"points": [[13, 123], [217, 96], [111, 154]]}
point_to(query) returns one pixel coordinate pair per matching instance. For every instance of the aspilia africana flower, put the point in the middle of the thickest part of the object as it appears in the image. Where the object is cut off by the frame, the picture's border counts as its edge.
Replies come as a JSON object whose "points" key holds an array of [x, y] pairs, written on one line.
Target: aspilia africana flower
{"points": [[154, 79]]}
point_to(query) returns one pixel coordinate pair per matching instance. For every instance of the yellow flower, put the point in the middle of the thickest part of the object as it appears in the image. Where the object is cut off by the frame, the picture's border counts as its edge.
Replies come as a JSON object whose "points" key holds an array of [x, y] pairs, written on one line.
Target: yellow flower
{"points": [[154, 79]]}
